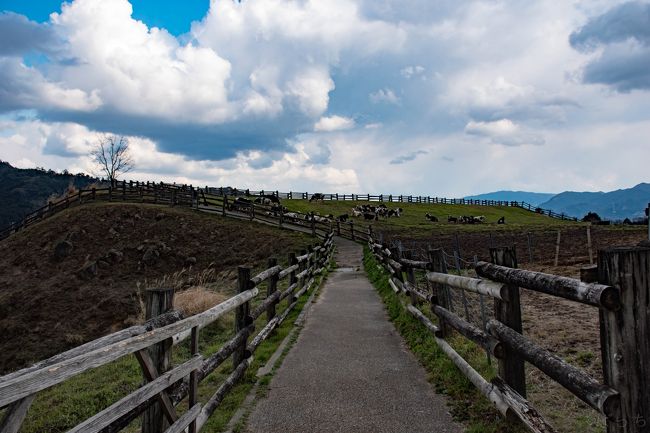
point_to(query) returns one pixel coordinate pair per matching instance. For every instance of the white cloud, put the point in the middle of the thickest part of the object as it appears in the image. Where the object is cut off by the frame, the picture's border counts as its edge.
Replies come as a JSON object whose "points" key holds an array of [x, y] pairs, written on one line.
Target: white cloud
{"points": [[254, 80], [334, 123], [503, 131], [384, 95], [411, 71]]}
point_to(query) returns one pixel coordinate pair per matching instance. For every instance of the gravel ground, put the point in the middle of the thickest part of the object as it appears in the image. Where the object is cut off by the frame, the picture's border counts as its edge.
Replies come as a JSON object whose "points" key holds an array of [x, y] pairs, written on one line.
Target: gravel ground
{"points": [[349, 371]]}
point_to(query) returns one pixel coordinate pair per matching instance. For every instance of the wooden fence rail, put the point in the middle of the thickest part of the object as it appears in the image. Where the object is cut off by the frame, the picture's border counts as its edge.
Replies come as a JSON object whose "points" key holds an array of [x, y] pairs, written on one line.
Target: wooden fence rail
{"points": [[622, 296], [152, 342]]}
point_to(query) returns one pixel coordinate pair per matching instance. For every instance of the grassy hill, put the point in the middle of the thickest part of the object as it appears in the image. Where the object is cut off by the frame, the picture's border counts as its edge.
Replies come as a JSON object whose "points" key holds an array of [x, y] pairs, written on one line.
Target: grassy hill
{"points": [[90, 265], [534, 198], [414, 223], [25, 190]]}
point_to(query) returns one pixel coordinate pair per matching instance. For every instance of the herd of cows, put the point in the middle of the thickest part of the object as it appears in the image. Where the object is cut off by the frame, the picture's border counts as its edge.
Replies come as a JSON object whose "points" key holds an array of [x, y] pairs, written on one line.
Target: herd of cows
{"points": [[273, 207]]}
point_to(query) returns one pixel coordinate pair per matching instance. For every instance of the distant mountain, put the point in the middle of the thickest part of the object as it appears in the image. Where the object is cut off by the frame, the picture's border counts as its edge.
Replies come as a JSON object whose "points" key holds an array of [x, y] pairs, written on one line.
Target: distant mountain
{"points": [[534, 198], [25, 190], [614, 205]]}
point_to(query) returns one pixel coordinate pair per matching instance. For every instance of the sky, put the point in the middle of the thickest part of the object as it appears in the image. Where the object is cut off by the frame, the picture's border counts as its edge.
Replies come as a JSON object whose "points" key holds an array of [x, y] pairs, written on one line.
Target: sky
{"points": [[441, 98]]}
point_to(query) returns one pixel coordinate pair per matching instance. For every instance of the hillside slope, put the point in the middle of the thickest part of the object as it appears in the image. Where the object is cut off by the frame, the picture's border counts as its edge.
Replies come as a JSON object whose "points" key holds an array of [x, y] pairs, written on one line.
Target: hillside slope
{"points": [[616, 205], [534, 198], [81, 274], [25, 190]]}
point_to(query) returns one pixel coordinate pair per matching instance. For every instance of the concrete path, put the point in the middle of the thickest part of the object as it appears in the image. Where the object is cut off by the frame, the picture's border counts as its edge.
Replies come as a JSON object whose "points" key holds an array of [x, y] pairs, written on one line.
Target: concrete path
{"points": [[349, 370]]}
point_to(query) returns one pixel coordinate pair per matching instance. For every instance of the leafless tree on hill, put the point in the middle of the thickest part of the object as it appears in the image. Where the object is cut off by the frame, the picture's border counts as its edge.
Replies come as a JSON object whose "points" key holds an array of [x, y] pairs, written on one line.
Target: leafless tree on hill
{"points": [[111, 153]]}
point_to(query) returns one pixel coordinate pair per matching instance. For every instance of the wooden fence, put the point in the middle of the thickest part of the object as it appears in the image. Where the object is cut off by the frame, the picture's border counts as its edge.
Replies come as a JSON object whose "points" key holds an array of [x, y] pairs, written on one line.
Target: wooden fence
{"points": [[293, 195], [622, 295], [166, 387], [188, 195]]}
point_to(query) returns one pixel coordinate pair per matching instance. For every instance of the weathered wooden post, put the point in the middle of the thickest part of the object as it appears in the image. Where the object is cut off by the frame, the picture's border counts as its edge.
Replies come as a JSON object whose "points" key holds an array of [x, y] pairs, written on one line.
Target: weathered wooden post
{"points": [[441, 293], [157, 302], [271, 289], [410, 277], [94, 193], [530, 247], [625, 336], [338, 228], [224, 205], [292, 276], [241, 313], [311, 261], [313, 225], [369, 231], [352, 230], [508, 312], [302, 267]]}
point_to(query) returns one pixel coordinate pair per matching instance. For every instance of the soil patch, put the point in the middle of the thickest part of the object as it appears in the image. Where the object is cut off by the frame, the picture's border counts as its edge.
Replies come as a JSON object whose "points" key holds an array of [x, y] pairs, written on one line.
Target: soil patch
{"points": [[81, 274]]}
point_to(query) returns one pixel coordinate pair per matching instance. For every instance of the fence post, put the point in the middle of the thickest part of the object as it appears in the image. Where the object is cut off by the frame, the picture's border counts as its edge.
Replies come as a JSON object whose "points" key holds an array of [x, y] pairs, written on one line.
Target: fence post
{"points": [[410, 277], [437, 263], [557, 248], [313, 225], [352, 230], [241, 313], [271, 289], [338, 227], [157, 302], [224, 205], [625, 342], [508, 312], [292, 276], [302, 267], [94, 193]]}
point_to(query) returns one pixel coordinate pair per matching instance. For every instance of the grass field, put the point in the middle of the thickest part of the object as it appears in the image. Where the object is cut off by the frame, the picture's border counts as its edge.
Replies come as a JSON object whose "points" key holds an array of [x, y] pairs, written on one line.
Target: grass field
{"points": [[63, 406], [413, 216]]}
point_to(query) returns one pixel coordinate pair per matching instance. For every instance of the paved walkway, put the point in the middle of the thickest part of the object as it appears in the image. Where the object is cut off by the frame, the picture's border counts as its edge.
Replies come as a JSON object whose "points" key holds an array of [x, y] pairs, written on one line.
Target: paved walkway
{"points": [[349, 370]]}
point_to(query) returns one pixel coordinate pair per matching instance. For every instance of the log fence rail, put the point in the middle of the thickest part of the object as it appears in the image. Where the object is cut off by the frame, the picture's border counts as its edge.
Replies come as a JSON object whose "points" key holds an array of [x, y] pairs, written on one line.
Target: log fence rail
{"points": [[621, 295]]}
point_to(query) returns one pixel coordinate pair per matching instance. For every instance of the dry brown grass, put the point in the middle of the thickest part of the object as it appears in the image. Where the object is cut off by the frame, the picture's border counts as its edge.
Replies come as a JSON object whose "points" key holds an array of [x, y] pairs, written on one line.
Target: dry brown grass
{"points": [[197, 299]]}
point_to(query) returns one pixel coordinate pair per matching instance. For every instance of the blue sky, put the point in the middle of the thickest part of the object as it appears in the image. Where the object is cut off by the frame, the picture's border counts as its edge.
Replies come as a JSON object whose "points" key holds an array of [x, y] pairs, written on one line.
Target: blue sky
{"points": [[411, 96], [173, 15]]}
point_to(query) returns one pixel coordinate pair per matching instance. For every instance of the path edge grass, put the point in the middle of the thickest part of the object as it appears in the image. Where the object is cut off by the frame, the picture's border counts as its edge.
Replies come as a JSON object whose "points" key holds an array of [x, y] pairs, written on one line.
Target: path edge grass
{"points": [[465, 402]]}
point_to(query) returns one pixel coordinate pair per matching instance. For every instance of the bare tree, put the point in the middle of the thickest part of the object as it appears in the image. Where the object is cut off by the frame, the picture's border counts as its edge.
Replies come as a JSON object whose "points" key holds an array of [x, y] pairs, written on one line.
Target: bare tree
{"points": [[111, 153]]}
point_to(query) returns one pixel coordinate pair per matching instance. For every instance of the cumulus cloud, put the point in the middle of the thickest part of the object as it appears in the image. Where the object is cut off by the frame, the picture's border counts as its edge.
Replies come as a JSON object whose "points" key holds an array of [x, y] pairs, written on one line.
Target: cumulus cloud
{"points": [[384, 96], [19, 36], [334, 123], [503, 131], [501, 98], [623, 36]]}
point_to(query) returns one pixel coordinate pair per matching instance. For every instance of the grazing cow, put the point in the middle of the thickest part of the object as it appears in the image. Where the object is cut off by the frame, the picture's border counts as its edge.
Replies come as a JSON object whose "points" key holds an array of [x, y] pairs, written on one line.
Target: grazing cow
{"points": [[317, 197], [267, 199], [370, 216], [502, 220], [241, 204], [451, 219], [432, 218]]}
